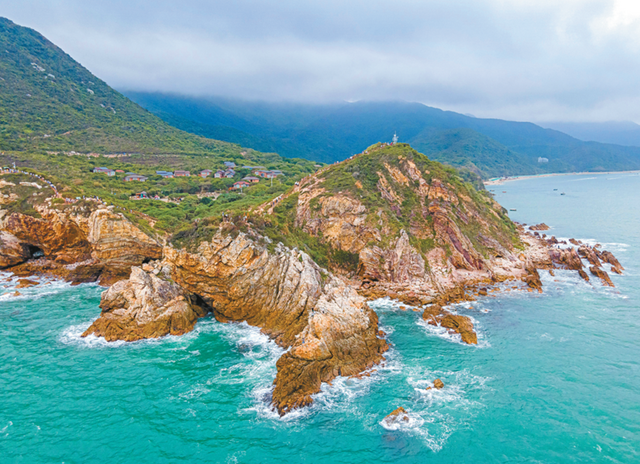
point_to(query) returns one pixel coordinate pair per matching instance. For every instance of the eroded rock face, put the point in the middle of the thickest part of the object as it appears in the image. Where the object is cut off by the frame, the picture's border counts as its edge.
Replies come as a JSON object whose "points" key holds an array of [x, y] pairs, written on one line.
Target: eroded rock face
{"points": [[58, 238], [329, 327], [79, 246], [339, 219], [144, 306], [12, 251], [117, 243]]}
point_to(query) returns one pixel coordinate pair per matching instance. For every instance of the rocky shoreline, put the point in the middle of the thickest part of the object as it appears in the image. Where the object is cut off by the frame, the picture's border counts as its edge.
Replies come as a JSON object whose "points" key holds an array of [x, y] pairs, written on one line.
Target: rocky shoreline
{"points": [[453, 244], [322, 319]]}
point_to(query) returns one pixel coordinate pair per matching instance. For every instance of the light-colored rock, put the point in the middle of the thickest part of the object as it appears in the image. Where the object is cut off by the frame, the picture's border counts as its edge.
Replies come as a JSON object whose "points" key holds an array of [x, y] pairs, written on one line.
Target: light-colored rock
{"points": [[329, 327], [144, 306]]}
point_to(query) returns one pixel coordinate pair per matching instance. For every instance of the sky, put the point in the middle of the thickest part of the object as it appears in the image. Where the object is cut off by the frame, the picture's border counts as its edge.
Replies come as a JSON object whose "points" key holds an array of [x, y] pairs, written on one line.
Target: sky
{"points": [[526, 60]]}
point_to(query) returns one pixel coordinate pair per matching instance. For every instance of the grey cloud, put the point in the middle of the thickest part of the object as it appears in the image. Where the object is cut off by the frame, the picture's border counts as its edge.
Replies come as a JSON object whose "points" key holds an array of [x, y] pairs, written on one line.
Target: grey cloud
{"points": [[518, 59]]}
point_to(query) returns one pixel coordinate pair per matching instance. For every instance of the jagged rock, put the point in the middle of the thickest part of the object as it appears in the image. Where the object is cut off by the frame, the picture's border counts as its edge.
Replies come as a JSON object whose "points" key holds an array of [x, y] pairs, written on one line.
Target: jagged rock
{"points": [[26, 283], [144, 306], [575, 242], [437, 383], [16, 293], [401, 263], [541, 226], [457, 324], [607, 257], [532, 279], [587, 252], [583, 274], [329, 327], [566, 258], [399, 414], [602, 275], [431, 311]]}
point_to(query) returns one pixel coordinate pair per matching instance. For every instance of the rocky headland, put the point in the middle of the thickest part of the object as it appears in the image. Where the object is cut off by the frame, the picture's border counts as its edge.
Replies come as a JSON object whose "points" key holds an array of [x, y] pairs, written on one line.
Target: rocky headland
{"points": [[386, 223]]}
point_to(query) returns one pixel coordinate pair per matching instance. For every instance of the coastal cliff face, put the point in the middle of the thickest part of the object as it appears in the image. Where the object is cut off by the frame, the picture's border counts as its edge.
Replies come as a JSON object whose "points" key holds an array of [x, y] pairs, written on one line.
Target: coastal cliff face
{"points": [[79, 243], [328, 327], [415, 226]]}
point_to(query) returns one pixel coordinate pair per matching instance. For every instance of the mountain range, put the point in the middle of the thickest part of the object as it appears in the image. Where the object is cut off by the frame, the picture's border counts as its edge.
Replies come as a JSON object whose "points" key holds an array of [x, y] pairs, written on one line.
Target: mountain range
{"points": [[333, 132], [50, 103]]}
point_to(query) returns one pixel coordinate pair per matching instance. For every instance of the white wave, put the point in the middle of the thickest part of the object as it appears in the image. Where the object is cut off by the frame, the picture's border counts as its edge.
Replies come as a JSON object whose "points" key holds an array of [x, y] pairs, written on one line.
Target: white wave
{"points": [[404, 422], [73, 336], [428, 413], [46, 287], [446, 334]]}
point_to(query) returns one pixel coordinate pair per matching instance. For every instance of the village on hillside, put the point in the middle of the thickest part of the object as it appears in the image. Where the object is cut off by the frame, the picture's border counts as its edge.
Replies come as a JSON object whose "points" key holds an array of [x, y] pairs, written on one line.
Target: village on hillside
{"points": [[229, 172]]}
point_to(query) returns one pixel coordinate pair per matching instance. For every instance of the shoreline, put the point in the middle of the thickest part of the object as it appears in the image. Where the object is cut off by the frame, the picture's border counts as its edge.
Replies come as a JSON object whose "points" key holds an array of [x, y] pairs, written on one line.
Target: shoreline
{"points": [[554, 174]]}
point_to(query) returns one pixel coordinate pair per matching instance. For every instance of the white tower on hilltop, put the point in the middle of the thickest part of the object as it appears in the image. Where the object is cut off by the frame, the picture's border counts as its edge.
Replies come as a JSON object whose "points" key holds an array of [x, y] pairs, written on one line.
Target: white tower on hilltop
{"points": [[395, 138]]}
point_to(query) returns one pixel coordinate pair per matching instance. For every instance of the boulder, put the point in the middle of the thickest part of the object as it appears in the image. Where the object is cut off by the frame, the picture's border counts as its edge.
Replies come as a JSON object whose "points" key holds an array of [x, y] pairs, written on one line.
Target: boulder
{"points": [[398, 415], [26, 283], [532, 279], [457, 324], [144, 306]]}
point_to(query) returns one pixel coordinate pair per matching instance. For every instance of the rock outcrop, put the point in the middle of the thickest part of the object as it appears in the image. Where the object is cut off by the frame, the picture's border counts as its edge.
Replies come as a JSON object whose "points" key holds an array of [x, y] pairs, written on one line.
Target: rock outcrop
{"points": [[389, 223], [602, 275], [396, 416], [328, 328], [541, 226], [78, 244], [145, 306]]}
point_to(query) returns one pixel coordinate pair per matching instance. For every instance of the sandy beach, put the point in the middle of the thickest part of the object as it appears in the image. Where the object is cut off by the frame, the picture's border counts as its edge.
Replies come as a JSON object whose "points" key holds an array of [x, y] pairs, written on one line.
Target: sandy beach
{"points": [[509, 179]]}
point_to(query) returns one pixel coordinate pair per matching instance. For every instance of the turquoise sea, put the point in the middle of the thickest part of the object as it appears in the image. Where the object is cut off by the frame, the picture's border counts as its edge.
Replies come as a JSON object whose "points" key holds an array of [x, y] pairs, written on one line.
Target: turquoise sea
{"points": [[555, 378]]}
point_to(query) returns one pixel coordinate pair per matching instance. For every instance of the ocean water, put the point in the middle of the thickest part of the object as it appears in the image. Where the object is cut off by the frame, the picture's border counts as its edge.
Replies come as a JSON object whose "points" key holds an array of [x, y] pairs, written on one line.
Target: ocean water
{"points": [[554, 379]]}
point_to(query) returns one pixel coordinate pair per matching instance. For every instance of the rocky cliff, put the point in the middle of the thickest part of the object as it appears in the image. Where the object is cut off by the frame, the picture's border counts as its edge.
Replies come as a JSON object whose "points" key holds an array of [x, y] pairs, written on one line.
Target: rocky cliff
{"points": [[328, 328], [83, 243], [385, 223]]}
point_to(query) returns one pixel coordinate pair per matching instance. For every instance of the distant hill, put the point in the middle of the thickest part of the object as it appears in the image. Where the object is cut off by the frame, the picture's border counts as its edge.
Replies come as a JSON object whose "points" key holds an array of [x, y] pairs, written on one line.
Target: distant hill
{"points": [[50, 102], [333, 132], [618, 132]]}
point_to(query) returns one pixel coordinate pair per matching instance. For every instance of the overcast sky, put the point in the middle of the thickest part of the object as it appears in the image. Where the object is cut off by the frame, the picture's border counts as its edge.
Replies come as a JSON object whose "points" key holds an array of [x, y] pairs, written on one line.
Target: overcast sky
{"points": [[515, 59]]}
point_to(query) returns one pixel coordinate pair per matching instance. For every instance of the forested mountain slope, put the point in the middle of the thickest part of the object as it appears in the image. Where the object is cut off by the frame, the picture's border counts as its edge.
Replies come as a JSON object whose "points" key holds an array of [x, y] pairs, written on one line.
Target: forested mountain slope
{"points": [[333, 132]]}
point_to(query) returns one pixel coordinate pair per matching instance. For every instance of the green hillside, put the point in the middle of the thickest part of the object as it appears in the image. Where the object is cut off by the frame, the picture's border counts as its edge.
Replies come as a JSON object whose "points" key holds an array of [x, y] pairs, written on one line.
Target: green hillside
{"points": [[51, 106], [51, 102]]}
